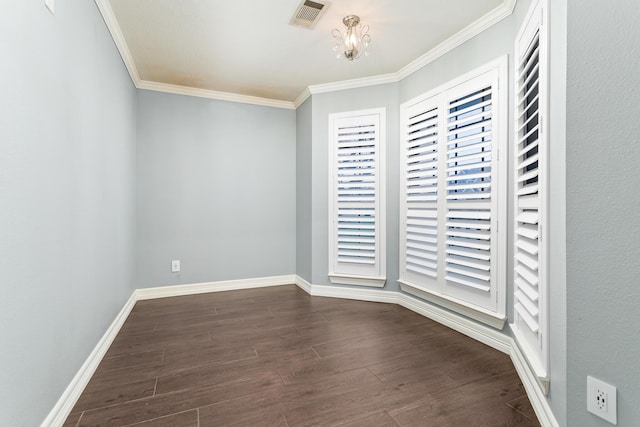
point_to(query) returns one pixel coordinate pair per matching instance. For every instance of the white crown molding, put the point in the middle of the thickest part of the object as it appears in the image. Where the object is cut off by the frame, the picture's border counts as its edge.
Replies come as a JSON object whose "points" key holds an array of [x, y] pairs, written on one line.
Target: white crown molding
{"points": [[486, 21], [304, 95], [211, 94], [354, 83], [496, 15], [72, 393], [121, 43]]}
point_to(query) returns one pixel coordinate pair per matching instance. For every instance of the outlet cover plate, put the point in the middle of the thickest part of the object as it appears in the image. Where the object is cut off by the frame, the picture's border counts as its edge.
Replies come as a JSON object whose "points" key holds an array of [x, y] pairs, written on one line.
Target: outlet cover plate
{"points": [[175, 266], [601, 400]]}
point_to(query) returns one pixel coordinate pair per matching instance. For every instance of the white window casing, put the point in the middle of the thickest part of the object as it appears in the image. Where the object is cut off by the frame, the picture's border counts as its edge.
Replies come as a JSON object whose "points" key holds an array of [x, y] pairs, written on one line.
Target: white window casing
{"points": [[530, 149], [453, 194], [357, 243]]}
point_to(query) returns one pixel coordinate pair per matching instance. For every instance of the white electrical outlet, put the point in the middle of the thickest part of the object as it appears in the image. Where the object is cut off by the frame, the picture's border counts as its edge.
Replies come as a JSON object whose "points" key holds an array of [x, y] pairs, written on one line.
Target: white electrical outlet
{"points": [[175, 266], [50, 5], [601, 400]]}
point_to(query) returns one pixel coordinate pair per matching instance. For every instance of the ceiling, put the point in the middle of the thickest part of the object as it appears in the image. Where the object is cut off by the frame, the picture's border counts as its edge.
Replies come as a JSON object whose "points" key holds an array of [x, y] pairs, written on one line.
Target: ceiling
{"points": [[248, 51]]}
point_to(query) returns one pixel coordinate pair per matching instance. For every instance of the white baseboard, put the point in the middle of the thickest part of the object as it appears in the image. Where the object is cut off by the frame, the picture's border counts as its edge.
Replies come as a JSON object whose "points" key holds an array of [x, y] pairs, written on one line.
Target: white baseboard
{"points": [[70, 396], [454, 305], [303, 284], [202, 288], [360, 294], [484, 334], [477, 331], [534, 389], [489, 336]]}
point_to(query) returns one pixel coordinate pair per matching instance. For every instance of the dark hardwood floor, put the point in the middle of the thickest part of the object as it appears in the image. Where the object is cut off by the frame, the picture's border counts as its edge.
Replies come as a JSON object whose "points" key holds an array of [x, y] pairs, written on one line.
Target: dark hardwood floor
{"points": [[278, 357]]}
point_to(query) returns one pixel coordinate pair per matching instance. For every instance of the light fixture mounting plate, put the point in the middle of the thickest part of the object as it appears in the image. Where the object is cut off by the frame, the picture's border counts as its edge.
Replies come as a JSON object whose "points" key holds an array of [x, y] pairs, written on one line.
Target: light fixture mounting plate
{"points": [[351, 20]]}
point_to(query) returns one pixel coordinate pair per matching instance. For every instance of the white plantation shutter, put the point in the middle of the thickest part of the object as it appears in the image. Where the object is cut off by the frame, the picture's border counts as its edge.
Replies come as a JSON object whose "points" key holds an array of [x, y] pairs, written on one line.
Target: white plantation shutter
{"points": [[526, 191], [356, 192], [450, 247], [421, 190], [357, 226], [530, 190], [469, 174]]}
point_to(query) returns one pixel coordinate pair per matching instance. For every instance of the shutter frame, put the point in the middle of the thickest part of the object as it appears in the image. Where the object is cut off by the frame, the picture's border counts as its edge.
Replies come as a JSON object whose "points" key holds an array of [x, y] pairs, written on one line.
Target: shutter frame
{"points": [[357, 228], [464, 266], [530, 154]]}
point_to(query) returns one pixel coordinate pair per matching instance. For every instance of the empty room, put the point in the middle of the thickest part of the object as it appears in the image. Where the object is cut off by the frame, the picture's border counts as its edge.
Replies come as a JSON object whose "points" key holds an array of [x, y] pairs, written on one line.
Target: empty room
{"points": [[319, 213]]}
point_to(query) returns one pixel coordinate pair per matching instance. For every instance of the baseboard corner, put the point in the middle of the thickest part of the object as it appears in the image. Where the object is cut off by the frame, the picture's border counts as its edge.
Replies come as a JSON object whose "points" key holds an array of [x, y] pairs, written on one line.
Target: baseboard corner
{"points": [[531, 384]]}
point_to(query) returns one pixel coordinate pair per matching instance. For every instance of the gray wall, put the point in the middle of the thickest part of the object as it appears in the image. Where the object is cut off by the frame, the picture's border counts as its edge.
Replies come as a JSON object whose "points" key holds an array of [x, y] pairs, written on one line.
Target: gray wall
{"points": [[216, 189], [67, 158], [336, 102], [304, 167], [603, 205]]}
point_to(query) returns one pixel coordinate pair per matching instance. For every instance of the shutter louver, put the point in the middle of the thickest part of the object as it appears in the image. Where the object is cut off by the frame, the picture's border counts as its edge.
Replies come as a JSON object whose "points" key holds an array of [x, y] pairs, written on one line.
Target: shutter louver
{"points": [[356, 193], [468, 189], [527, 231], [421, 192]]}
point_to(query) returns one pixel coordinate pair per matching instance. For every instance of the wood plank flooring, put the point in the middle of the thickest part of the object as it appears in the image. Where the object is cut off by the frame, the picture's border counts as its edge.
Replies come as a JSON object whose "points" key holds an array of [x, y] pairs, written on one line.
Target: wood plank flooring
{"points": [[278, 357]]}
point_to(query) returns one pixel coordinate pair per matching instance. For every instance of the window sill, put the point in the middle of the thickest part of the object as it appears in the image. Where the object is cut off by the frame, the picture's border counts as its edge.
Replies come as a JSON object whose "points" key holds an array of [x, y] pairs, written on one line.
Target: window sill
{"points": [[375, 282], [484, 316]]}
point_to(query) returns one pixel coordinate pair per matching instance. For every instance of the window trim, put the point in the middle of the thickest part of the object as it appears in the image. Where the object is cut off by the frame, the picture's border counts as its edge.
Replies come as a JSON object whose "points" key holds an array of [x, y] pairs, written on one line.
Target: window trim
{"points": [[498, 318], [378, 276]]}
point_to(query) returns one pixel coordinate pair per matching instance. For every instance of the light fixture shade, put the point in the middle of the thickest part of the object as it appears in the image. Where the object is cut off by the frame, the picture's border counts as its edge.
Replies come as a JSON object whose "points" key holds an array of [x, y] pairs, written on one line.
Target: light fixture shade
{"points": [[354, 41]]}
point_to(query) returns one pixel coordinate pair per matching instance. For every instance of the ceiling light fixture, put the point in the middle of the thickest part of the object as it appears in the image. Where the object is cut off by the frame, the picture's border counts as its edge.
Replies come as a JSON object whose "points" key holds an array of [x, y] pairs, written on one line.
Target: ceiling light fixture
{"points": [[354, 41]]}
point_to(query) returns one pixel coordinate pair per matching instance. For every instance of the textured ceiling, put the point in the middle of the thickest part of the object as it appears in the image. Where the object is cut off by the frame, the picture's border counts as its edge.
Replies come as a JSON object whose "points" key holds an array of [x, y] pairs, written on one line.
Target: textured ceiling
{"points": [[249, 48]]}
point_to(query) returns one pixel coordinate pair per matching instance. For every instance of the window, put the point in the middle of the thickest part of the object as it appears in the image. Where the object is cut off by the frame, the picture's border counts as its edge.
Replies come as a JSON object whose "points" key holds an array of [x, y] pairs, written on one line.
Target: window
{"points": [[530, 187], [356, 198], [453, 195]]}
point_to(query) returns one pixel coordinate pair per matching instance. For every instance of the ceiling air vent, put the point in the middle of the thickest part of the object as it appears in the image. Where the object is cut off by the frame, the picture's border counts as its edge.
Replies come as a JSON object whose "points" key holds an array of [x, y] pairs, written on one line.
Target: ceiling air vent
{"points": [[308, 14]]}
